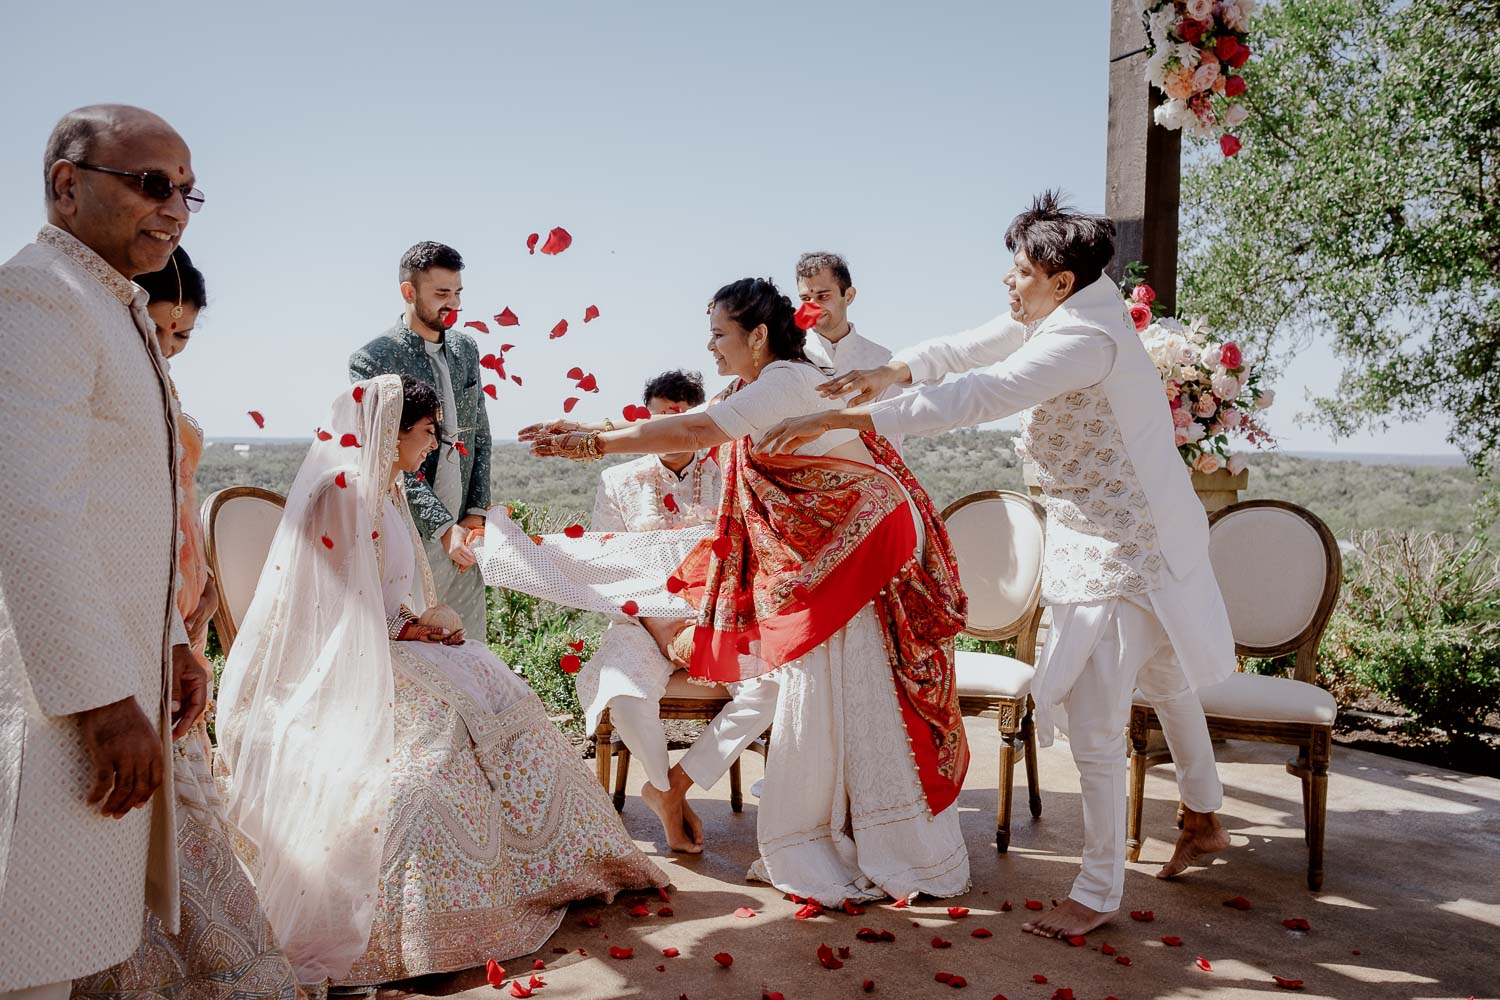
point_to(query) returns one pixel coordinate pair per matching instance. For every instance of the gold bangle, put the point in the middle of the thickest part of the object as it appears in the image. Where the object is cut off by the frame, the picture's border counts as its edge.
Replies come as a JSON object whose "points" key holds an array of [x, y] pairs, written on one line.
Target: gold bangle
{"points": [[609, 424]]}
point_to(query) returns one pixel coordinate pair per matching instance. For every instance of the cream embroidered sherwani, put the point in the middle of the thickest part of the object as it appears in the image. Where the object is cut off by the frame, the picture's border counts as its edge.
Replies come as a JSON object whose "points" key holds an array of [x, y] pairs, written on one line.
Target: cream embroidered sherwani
{"points": [[88, 542]]}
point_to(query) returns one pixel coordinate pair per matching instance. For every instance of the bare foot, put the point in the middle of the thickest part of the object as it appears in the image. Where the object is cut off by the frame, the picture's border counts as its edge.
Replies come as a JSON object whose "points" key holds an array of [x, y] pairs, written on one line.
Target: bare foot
{"points": [[1202, 835], [671, 808], [692, 824], [1067, 919]]}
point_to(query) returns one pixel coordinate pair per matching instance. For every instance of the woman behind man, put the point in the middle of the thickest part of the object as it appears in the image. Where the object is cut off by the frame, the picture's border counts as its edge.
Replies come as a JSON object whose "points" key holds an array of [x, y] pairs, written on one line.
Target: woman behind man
{"points": [[225, 944], [833, 567], [413, 809]]}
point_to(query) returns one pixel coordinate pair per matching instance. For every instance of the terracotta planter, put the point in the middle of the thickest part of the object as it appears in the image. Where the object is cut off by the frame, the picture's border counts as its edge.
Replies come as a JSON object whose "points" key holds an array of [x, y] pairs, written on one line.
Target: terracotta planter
{"points": [[1214, 489]]}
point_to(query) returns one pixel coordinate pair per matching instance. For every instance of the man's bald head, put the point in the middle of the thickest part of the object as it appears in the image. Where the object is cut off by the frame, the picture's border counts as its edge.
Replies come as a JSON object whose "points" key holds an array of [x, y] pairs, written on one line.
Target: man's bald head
{"points": [[82, 134]]}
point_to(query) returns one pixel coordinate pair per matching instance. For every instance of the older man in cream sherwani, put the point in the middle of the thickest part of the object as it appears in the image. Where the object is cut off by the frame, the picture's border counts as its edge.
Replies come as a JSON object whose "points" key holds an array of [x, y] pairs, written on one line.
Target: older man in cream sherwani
{"points": [[94, 662]]}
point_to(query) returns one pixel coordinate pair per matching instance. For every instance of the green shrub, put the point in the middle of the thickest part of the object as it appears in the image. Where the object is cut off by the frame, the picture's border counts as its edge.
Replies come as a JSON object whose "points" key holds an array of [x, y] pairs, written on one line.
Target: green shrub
{"points": [[1447, 677]]}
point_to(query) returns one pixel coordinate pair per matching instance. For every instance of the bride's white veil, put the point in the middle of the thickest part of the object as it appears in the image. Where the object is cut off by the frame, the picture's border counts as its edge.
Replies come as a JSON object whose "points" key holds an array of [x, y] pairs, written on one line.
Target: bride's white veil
{"points": [[306, 702]]}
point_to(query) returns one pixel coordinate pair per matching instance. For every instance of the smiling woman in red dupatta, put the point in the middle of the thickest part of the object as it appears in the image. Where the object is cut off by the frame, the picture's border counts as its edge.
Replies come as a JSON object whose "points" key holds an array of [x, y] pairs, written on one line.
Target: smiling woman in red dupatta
{"points": [[828, 574]]}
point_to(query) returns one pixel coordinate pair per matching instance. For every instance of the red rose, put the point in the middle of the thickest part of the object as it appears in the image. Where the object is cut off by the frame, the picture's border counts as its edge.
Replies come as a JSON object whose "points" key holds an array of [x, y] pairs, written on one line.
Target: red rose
{"points": [[1234, 86], [1143, 293], [1192, 30], [1240, 57], [1230, 357], [1225, 46], [1229, 144], [1140, 314]]}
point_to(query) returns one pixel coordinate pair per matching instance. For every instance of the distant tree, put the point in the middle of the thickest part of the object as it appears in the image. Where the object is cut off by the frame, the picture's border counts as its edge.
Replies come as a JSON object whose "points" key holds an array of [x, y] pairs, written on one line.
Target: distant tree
{"points": [[1364, 207]]}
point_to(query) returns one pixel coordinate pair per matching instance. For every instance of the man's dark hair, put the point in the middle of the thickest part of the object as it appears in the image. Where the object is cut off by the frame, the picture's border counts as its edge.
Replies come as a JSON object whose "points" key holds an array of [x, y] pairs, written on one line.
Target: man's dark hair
{"points": [[418, 399], [74, 138], [753, 301], [427, 255], [678, 386], [810, 264], [1056, 238], [162, 286]]}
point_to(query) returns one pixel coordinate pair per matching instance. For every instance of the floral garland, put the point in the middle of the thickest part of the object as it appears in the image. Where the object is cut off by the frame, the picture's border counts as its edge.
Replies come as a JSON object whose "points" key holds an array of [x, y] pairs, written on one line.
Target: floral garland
{"points": [[1194, 45], [1213, 390]]}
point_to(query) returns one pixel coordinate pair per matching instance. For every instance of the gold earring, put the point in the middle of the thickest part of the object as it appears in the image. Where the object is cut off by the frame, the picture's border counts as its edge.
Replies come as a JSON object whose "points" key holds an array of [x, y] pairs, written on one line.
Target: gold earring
{"points": [[177, 309]]}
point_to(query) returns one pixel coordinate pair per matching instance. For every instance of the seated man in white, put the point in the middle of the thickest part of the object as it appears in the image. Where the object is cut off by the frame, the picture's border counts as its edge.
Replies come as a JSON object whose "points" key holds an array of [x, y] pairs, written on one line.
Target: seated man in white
{"points": [[629, 673], [1133, 595]]}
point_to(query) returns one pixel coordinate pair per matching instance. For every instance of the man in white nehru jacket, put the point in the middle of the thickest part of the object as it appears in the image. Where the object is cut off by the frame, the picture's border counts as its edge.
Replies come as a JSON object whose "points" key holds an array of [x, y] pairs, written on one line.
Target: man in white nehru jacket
{"points": [[1133, 595]]}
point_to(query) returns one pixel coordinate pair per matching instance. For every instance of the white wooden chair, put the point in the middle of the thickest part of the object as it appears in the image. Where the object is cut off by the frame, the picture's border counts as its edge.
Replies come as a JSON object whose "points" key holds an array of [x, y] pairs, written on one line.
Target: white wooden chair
{"points": [[1279, 569], [998, 537], [238, 526]]}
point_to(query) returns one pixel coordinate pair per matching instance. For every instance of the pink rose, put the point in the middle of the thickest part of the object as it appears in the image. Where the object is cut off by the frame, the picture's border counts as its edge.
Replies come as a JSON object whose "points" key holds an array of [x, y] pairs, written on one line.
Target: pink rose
{"points": [[1140, 315], [1234, 86], [1143, 293], [1181, 417], [1231, 418], [1206, 407], [1225, 46], [1265, 398], [1237, 464], [1230, 356], [1180, 438], [1207, 462], [1226, 387], [1229, 144]]}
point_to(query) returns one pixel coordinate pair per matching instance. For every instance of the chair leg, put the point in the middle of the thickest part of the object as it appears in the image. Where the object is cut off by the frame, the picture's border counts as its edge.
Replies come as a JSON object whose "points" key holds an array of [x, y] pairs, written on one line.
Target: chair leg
{"points": [[1136, 797], [602, 751], [1317, 808], [1008, 748], [1033, 784], [622, 773], [736, 795]]}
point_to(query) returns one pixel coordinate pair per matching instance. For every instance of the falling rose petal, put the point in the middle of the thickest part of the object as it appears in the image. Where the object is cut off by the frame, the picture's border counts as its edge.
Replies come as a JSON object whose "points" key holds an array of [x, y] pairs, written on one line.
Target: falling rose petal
{"points": [[260, 421], [676, 584], [981, 932], [938, 942], [744, 913], [724, 958], [852, 909], [557, 241], [826, 959], [421, 477], [569, 403], [669, 502], [576, 646], [670, 952], [1124, 960], [489, 391], [460, 447], [507, 318], [615, 951], [629, 414], [516, 379], [359, 394], [531, 242], [506, 347], [323, 435], [477, 324], [571, 664], [630, 608], [349, 441], [448, 318], [808, 910], [1287, 984], [868, 986], [558, 330], [327, 542], [575, 373], [1077, 940], [341, 481], [1203, 964], [1172, 942], [1033, 904], [1296, 924], [1143, 916], [807, 315], [494, 973], [489, 361], [665, 911], [589, 383], [640, 910], [1005, 907], [590, 314], [1107, 949], [958, 912], [1237, 903]]}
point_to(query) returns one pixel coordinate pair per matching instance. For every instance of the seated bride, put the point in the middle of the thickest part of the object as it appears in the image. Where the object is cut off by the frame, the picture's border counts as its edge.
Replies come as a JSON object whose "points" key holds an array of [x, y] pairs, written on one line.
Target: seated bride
{"points": [[410, 807]]}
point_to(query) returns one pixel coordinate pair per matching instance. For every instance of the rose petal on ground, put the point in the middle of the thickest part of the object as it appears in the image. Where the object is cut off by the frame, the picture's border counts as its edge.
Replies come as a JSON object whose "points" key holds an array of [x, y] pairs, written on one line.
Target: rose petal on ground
{"points": [[519, 989], [958, 982], [942, 977], [826, 959], [1203, 964], [494, 973], [1296, 924], [640, 910], [1287, 984], [899, 904], [531, 242], [868, 986], [958, 911], [1005, 907], [1077, 940], [670, 952], [591, 921], [1124, 960], [537, 982], [1062, 993], [590, 314], [1172, 942], [1144, 916], [615, 951], [1237, 903], [938, 942], [1034, 904], [665, 911], [853, 909], [538, 964], [506, 318], [744, 912], [574, 531], [557, 241], [478, 324], [981, 932], [772, 996], [1107, 949], [724, 958], [570, 664], [844, 951], [808, 910], [260, 421], [1038, 978]]}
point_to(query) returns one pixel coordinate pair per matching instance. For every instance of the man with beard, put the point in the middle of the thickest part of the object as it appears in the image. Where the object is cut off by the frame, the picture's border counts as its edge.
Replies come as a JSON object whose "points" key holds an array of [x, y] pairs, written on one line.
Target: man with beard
{"points": [[450, 495]]}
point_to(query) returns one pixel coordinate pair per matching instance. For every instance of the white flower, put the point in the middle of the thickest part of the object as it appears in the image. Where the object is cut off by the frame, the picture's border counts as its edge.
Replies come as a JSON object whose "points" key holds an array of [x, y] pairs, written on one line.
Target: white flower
{"points": [[1235, 115], [1173, 115], [1230, 417], [1200, 9], [1187, 53], [1171, 324], [1248, 7], [1226, 387], [1194, 432], [1232, 14], [1156, 68], [1237, 464], [1265, 399], [1159, 22], [1211, 355]]}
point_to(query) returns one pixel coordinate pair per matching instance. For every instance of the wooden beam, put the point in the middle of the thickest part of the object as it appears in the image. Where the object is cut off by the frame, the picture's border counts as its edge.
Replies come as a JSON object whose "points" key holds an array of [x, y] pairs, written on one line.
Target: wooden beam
{"points": [[1143, 164]]}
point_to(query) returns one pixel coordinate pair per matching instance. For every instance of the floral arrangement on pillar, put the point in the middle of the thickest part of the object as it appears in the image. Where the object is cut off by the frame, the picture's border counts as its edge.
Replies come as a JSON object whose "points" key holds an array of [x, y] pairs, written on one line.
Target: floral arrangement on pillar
{"points": [[1195, 47], [1214, 392]]}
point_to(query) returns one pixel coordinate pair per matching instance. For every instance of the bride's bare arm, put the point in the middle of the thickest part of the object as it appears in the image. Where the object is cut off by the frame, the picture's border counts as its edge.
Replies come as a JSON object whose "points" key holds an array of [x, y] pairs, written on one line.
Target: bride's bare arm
{"points": [[658, 436]]}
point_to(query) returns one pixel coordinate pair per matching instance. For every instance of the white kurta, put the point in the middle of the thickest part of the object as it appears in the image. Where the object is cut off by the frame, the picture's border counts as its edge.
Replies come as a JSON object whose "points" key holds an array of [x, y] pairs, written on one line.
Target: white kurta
{"points": [[88, 544]]}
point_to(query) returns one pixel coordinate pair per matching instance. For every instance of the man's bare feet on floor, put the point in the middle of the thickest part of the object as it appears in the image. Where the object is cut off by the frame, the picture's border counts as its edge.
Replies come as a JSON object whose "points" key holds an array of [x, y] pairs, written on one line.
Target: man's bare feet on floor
{"points": [[1068, 919], [1202, 835]]}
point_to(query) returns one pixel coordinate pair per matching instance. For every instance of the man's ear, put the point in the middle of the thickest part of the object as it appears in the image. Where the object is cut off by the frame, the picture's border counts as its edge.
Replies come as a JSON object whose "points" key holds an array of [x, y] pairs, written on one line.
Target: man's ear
{"points": [[408, 292], [1062, 284], [62, 181], [849, 294]]}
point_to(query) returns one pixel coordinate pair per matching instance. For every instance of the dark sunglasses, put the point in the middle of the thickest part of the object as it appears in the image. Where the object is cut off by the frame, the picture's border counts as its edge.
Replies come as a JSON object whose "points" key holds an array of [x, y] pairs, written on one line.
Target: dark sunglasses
{"points": [[154, 184]]}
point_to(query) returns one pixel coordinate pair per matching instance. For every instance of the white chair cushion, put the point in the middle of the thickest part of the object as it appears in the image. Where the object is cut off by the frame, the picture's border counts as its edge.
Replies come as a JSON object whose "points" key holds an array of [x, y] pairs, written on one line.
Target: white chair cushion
{"points": [[1271, 568], [999, 546], [1254, 698], [243, 529], [680, 687], [989, 675]]}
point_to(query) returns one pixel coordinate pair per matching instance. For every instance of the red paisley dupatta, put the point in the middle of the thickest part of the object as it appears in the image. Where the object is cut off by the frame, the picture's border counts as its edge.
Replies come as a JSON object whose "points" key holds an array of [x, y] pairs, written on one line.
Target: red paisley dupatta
{"points": [[803, 544]]}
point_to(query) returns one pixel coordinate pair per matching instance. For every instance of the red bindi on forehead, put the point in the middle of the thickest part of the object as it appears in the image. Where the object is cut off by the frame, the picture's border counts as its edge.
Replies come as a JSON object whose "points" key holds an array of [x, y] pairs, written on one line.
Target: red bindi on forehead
{"points": [[181, 171]]}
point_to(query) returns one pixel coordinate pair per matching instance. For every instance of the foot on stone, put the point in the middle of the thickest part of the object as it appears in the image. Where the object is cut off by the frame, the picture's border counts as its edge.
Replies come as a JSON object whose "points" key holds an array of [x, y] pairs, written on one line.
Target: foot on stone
{"points": [[1068, 919], [669, 809], [1201, 835]]}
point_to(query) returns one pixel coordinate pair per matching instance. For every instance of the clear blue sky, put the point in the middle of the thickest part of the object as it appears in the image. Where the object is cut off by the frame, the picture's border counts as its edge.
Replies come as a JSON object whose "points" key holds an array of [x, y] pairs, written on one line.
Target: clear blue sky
{"points": [[683, 145]]}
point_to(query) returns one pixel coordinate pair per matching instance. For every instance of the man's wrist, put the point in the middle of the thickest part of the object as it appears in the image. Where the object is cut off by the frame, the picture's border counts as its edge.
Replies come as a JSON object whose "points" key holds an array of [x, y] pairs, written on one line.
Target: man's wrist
{"points": [[902, 371]]}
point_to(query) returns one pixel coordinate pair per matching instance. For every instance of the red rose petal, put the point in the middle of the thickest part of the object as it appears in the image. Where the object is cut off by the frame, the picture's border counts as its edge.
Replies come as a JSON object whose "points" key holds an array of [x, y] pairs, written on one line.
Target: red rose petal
{"points": [[1107, 949], [1005, 907], [374, 534], [341, 481], [826, 959], [574, 531], [670, 952], [489, 361], [640, 910], [744, 912], [1296, 924], [854, 910], [665, 911], [942, 977], [844, 951], [1124, 960], [590, 314], [807, 315], [557, 241], [1033, 904], [448, 318], [1237, 903], [327, 542], [538, 964], [323, 435], [615, 951], [489, 391], [724, 958], [506, 318], [958, 982], [459, 447], [537, 539], [1203, 964], [359, 394], [260, 421], [576, 646], [1144, 916], [1062, 993], [516, 379], [938, 942], [531, 242], [494, 973], [589, 383], [575, 373], [570, 664], [676, 584], [981, 932], [772, 996], [899, 904], [957, 912], [349, 441], [1172, 942], [1077, 940], [868, 986], [669, 502], [630, 608], [1287, 984], [1038, 978], [519, 989], [506, 347], [569, 403], [537, 982], [558, 330], [478, 325]]}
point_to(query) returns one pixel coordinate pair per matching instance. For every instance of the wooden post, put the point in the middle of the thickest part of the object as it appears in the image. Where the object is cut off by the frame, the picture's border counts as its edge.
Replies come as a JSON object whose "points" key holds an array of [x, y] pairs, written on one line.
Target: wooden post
{"points": [[1143, 165]]}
